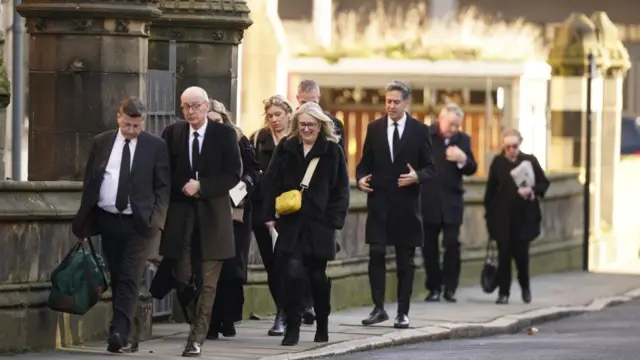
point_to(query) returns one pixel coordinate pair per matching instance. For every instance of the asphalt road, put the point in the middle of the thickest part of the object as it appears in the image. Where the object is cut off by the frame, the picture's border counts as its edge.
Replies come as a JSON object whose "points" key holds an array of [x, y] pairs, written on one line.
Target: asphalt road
{"points": [[611, 334]]}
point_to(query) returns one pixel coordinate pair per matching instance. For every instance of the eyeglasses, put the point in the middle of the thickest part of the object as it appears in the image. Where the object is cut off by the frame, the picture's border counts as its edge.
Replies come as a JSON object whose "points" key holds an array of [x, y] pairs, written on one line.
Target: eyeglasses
{"points": [[511, 146], [309, 126], [187, 107]]}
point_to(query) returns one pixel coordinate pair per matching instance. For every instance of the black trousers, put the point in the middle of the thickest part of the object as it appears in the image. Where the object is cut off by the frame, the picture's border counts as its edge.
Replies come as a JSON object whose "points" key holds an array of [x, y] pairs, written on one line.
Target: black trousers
{"points": [[227, 307], [449, 274], [518, 250], [126, 253], [275, 276], [301, 269], [405, 268]]}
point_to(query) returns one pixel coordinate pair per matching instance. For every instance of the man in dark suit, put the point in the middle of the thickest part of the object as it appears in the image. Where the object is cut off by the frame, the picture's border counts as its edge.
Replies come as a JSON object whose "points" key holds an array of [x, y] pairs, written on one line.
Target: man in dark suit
{"points": [[396, 159], [309, 91], [124, 200], [198, 234], [442, 202]]}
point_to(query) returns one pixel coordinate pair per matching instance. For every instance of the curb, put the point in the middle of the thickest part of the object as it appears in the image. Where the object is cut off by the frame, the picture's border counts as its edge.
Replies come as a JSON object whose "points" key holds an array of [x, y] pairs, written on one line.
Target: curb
{"points": [[508, 324]]}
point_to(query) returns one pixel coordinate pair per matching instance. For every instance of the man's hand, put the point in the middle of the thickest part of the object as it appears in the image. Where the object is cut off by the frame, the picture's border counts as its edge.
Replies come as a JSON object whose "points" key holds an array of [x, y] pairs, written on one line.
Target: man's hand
{"points": [[409, 178], [270, 224], [456, 155], [363, 184], [191, 188], [525, 192]]}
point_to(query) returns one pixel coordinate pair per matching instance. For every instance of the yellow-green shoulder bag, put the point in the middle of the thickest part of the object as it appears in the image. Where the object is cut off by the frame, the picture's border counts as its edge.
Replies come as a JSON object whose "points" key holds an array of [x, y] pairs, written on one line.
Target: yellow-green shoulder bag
{"points": [[291, 201]]}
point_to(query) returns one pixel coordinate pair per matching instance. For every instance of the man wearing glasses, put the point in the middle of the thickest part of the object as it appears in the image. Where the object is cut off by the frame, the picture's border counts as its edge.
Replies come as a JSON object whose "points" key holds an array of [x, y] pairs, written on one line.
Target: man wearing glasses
{"points": [[198, 234]]}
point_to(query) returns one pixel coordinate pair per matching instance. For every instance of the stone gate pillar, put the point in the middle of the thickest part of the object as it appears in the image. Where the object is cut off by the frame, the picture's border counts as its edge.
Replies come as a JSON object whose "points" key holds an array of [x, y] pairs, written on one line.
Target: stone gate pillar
{"points": [[575, 38], [626, 248], [207, 34], [84, 57]]}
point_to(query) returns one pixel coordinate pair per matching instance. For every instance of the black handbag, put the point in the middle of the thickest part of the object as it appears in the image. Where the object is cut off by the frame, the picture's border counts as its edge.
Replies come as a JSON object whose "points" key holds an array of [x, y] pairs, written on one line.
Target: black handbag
{"points": [[489, 275]]}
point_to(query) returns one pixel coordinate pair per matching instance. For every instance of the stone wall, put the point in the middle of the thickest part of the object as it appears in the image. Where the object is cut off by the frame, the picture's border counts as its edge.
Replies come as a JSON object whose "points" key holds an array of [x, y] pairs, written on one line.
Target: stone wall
{"points": [[35, 235]]}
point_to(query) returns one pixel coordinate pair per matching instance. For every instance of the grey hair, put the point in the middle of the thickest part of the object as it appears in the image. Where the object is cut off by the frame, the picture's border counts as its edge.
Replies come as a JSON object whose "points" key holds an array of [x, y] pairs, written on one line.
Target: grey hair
{"points": [[196, 90], [396, 85], [307, 86], [512, 132], [454, 108]]}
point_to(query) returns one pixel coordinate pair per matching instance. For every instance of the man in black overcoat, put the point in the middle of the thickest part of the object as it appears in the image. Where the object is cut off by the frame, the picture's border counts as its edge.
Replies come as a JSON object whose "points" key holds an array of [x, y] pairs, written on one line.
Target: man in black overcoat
{"points": [[124, 200], [443, 203], [396, 159], [198, 234]]}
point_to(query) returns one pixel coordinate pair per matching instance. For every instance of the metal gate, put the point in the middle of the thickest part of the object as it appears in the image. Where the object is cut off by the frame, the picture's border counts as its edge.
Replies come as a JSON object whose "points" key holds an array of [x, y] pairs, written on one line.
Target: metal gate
{"points": [[161, 95], [161, 111]]}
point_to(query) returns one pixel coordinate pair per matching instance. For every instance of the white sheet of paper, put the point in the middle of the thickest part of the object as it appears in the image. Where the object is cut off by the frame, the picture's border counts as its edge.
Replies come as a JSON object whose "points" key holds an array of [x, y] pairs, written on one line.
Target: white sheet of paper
{"points": [[238, 193], [274, 237], [523, 174]]}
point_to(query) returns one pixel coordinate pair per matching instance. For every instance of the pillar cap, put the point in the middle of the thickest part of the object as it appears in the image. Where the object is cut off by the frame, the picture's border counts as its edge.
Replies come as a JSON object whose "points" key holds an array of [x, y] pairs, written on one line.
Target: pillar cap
{"points": [[121, 9], [609, 39], [230, 14], [574, 39]]}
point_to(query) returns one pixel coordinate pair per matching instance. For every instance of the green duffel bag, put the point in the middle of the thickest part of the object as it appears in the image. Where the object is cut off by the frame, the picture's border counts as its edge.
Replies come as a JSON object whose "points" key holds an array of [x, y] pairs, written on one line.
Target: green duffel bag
{"points": [[79, 281]]}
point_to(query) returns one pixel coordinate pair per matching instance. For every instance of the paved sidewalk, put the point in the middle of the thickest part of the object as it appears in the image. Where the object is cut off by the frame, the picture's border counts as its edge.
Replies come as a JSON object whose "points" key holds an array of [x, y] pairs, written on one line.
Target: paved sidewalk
{"points": [[475, 314]]}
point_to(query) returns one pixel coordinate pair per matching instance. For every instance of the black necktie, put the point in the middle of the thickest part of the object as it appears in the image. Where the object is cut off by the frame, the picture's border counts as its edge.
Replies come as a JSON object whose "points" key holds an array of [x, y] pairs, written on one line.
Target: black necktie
{"points": [[396, 140], [122, 197], [195, 153]]}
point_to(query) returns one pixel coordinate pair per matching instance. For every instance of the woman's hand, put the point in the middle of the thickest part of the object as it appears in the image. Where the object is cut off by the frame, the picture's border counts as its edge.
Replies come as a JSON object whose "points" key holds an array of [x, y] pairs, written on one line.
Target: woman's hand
{"points": [[270, 224], [525, 192]]}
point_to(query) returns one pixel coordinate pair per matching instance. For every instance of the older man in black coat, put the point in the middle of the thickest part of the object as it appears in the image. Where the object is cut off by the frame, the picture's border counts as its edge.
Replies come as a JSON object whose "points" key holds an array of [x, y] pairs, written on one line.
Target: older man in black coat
{"points": [[442, 200], [198, 234], [396, 159]]}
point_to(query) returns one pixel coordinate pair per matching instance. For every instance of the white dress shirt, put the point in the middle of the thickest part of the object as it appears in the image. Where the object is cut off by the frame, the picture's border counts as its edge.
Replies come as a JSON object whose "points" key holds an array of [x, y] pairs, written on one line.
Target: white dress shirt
{"points": [[391, 128], [111, 177], [201, 133]]}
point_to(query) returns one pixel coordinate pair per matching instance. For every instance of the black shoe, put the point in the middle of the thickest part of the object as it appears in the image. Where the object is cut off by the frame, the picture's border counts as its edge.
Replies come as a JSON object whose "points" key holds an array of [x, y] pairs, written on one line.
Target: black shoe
{"points": [[193, 349], [278, 325], [214, 331], [308, 317], [114, 343], [434, 296], [322, 330], [377, 316], [502, 299], [450, 296], [291, 335], [130, 347], [402, 322], [228, 329], [526, 296]]}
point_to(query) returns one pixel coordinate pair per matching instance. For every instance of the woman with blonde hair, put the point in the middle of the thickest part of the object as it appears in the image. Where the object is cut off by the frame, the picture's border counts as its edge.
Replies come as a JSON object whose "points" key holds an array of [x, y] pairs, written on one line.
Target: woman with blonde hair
{"points": [[277, 117], [512, 211], [227, 307], [306, 237]]}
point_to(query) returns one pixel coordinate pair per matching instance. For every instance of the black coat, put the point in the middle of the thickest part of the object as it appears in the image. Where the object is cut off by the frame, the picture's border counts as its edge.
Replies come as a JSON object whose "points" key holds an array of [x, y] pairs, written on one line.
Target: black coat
{"points": [[324, 204], [150, 183], [338, 128], [219, 172], [264, 147], [394, 216], [442, 196], [236, 268], [505, 210]]}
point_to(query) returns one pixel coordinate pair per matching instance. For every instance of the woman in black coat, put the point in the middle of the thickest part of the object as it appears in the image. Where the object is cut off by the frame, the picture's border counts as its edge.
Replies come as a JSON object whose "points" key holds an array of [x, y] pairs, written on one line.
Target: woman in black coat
{"points": [[306, 238], [227, 308], [277, 117], [513, 213]]}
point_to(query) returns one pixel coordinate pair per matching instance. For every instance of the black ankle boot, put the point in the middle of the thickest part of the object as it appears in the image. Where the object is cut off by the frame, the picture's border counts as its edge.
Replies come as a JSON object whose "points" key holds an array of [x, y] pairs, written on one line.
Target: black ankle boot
{"points": [[278, 325], [292, 334], [228, 329], [322, 330]]}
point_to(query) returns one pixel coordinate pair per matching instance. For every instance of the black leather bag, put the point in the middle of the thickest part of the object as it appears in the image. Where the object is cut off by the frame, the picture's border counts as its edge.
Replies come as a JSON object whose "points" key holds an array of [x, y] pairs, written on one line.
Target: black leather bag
{"points": [[489, 275]]}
